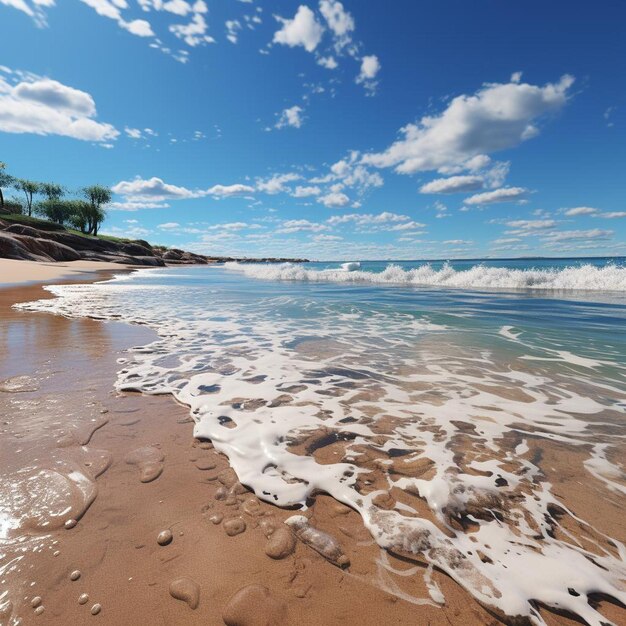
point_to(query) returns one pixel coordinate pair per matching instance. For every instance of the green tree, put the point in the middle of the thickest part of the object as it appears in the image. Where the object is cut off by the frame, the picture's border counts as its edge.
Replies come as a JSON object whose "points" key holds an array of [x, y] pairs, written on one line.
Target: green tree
{"points": [[81, 216], [6, 180], [30, 188], [98, 196], [52, 191], [56, 209]]}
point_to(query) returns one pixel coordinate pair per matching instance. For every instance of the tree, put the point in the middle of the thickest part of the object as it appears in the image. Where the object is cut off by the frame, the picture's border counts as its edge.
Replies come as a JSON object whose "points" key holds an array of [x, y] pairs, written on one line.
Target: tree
{"points": [[52, 191], [98, 196], [6, 180], [30, 188], [81, 216], [56, 209]]}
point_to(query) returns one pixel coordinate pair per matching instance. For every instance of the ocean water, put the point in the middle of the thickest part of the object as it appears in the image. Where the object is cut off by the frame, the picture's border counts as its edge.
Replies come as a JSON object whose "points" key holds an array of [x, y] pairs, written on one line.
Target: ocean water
{"points": [[420, 395]]}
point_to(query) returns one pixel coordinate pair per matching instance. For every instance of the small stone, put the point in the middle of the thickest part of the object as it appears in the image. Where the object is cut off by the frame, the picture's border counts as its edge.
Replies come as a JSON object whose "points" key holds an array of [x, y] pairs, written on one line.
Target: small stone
{"points": [[39, 610], [36, 601], [234, 526], [227, 477], [221, 494], [205, 464], [165, 537], [75, 575], [253, 605], [187, 590], [95, 609], [216, 518], [70, 523], [83, 598], [281, 543]]}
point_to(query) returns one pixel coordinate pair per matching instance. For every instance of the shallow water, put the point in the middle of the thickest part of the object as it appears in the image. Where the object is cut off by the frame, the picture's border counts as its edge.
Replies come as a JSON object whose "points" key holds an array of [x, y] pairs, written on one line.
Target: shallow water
{"points": [[419, 405]]}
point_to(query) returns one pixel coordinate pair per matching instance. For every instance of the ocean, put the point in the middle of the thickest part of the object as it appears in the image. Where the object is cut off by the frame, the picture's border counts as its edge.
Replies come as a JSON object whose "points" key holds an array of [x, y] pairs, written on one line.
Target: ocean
{"points": [[422, 395]]}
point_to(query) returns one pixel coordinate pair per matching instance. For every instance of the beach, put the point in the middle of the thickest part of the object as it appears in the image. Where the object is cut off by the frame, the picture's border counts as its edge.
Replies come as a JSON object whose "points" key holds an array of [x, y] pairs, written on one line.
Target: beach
{"points": [[112, 510]]}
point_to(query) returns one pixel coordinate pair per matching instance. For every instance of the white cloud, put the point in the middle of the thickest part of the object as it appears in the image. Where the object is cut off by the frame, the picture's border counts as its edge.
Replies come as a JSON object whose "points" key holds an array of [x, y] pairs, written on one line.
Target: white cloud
{"points": [[328, 62], [339, 21], [525, 226], [136, 205], [133, 133], [305, 192], [453, 184], [224, 191], [612, 215], [504, 194], [234, 226], [154, 189], [291, 117], [34, 9], [194, 32], [575, 235], [303, 30], [334, 200], [370, 66], [295, 226], [496, 117], [361, 219], [321, 238], [276, 184], [232, 30], [47, 107], [581, 210]]}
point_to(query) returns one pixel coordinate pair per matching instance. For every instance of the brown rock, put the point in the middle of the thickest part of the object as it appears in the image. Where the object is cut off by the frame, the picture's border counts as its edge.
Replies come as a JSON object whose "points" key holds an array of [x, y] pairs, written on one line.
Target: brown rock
{"points": [[255, 605], [186, 590], [281, 543]]}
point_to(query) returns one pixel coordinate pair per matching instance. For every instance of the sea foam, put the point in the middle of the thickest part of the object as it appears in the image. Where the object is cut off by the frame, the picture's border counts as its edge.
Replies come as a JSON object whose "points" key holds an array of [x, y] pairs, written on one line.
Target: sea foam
{"points": [[416, 408]]}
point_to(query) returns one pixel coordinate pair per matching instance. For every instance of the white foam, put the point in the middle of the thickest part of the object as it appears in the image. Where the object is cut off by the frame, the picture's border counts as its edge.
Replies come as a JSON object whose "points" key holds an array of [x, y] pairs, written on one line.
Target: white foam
{"points": [[579, 278], [232, 361]]}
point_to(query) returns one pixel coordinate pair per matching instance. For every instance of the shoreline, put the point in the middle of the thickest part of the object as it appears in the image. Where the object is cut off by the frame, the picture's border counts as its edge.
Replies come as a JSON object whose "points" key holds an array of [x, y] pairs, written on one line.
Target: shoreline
{"points": [[71, 364]]}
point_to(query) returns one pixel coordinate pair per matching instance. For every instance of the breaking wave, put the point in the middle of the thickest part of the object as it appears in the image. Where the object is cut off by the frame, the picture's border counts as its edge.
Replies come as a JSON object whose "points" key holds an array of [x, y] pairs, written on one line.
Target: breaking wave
{"points": [[583, 277]]}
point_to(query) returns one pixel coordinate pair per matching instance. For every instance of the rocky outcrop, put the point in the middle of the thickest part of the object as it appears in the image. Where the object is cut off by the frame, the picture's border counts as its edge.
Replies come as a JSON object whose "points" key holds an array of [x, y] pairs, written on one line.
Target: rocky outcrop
{"points": [[51, 242]]}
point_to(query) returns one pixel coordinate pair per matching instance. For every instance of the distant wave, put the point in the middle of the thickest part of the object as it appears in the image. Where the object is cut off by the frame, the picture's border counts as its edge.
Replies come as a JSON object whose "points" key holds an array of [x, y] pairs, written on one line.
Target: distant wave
{"points": [[583, 277]]}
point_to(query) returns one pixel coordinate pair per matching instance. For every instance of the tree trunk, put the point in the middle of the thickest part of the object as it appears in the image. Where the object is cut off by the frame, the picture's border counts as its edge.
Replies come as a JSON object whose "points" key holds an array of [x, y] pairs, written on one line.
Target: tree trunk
{"points": [[1, 199]]}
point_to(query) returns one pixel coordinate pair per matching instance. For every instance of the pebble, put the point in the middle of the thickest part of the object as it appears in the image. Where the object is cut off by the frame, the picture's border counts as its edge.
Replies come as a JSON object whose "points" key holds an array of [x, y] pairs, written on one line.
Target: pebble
{"points": [[36, 601], [165, 537], [70, 523], [95, 609], [187, 590], [217, 518], [75, 575], [83, 598], [205, 464], [281, 543], [39, 610], [227, 477], [234, 526], [254, 604]]}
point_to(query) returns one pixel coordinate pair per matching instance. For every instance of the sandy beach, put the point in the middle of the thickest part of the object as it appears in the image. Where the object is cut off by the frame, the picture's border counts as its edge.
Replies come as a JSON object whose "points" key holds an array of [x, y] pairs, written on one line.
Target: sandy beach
{"points": [[114, 512]]}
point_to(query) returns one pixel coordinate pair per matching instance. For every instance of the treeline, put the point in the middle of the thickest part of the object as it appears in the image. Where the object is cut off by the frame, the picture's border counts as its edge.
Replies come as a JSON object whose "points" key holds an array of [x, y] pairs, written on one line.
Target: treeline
{"points": [[85, 212]]}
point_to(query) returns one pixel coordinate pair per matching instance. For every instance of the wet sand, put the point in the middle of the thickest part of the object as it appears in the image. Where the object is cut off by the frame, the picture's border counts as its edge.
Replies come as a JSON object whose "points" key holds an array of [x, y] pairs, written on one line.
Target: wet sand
{"points": [[146, 482]]}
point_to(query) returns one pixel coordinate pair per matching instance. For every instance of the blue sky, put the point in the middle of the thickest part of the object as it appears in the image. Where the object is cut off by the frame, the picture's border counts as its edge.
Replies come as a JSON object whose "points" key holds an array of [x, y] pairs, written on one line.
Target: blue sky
{"points": [[330, 130]]}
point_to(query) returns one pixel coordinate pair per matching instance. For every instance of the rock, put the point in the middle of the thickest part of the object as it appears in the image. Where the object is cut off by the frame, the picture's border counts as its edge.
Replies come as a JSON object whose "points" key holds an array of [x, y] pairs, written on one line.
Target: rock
{"points": [[149, 460], [95, 609], [254, 605], [234, 526], [186, 590], [281, 543], [227, 477], [165, 537]]}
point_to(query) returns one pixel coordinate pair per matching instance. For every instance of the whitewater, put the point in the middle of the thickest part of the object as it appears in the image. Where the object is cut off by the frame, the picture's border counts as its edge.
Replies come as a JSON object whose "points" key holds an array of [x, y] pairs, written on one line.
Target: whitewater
{"points": [[437, 401]]}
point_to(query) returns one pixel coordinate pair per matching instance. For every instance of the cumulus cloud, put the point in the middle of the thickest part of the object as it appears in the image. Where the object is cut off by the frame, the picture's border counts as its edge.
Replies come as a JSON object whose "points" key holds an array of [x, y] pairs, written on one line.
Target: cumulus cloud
{"points": [[613, 215], [580, 210], [277, 183], [303, 30], [361, 219], [453, 184], [194, 33], [305, 192], [504, 194], [527, 226], [154, 189], [291, 117], [576, 235], [496, 117], [232, 30], [370, 66], [47, 107], [136, 205], [334, 200], [328, 62], [340, 22]]}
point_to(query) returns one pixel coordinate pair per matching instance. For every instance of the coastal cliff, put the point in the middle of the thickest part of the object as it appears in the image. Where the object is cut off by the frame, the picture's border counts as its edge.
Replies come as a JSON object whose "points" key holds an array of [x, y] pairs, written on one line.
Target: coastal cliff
{"points": [[40, 240]]}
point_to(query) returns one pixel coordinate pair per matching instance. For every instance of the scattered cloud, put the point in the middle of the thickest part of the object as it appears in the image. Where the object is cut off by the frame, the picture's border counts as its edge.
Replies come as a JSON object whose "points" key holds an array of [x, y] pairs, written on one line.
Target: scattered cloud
{"points": [[370, 66], [291, 117], [225, 191], [334, 200], [581, 210]]}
